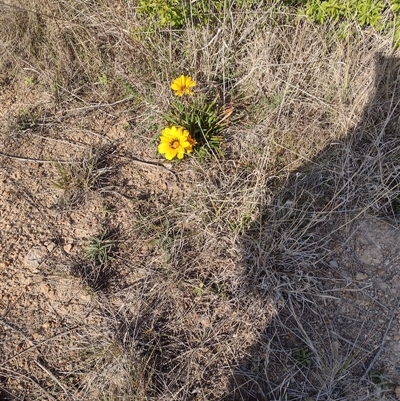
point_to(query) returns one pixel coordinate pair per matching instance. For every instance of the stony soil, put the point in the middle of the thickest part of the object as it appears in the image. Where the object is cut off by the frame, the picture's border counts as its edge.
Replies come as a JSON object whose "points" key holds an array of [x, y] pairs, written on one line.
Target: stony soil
{"points": [[45, 309]]}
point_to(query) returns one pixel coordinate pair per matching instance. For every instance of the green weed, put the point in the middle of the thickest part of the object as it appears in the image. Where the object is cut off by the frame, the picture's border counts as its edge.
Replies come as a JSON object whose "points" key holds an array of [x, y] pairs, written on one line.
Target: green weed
{"points": [[27, 118], [303, 357], [381, 378], [382, 15], [29, 81], [100, 249], [177, 14], [204, 120]]}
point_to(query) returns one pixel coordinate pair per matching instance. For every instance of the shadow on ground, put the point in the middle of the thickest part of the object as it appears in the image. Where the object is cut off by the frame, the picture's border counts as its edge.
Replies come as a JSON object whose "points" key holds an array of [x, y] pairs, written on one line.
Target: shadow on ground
{"points": [[325, 341]]}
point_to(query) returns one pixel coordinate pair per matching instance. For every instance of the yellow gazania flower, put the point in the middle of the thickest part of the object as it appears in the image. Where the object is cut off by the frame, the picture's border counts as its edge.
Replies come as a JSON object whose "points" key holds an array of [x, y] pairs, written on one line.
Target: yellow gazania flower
{"points": [[175, 141], [182, 85]]}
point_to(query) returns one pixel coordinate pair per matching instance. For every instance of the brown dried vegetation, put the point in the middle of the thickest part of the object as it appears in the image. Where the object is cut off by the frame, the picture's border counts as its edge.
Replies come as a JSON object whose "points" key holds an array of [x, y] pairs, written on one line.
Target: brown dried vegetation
{"points": [[243, 278]]}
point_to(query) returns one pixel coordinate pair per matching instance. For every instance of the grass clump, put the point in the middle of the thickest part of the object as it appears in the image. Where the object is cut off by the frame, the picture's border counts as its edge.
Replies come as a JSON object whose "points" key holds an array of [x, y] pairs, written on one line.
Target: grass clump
{"points": [[78, 179], [97, 269], [100, 249], [27, 119], [222, 287], [203, 120]]}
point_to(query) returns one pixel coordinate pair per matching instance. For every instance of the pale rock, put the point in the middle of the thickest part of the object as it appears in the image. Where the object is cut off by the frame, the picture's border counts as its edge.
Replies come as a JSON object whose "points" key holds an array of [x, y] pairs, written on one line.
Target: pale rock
{"points": [[382, 285], [45, 288], [35, 257], [50, 246], [361, 276], [68, 248]]}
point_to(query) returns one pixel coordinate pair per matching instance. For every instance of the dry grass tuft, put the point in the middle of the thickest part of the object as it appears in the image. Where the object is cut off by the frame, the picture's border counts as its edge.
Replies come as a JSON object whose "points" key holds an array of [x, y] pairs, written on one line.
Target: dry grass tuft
{"points": [[207, 280]]}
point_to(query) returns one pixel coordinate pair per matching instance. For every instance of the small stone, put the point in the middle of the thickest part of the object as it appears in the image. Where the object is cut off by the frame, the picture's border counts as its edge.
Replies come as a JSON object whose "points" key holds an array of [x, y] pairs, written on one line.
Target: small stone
{"points": [[35, 336], [382, 286], [68, 248], [361, 276], [205, 322], [34, 257], [45, 288], [84, 297], [50, 247]]}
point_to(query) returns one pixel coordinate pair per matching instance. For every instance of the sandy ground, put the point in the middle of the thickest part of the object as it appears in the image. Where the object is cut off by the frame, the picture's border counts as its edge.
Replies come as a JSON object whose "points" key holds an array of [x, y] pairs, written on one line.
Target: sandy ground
{"points": [[45, 309]]}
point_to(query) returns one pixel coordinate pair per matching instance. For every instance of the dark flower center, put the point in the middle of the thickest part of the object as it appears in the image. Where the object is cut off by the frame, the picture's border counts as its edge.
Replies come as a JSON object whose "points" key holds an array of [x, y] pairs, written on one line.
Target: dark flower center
{"points": [[175, 144]]}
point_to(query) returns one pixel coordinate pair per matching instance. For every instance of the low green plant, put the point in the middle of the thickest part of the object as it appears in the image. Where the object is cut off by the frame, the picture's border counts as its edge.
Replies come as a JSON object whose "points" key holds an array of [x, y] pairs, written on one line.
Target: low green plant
{"points": [[29, 81], [177, 13], [104, 79], [303, 357], [27, 118], [199, 289], [66, 176], [364, 12], [100, 249], [380, 378], [165, 12], [128, 90], [196, 122], [205, 120], [217, 289], [107, 210]]}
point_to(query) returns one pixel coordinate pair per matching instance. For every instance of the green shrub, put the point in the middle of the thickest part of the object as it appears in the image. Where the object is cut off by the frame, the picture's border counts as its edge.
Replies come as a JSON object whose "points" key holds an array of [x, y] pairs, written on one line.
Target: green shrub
{"points": [[382, 15], [177, 13], [365, 12], [165, 12]]}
